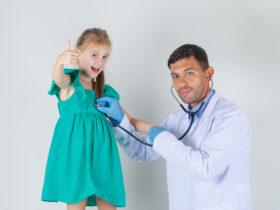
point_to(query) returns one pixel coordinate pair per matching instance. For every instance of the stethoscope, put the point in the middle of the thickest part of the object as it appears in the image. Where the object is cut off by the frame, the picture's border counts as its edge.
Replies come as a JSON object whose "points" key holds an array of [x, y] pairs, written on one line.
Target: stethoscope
{"points": [[188, 112], [192, 114]]}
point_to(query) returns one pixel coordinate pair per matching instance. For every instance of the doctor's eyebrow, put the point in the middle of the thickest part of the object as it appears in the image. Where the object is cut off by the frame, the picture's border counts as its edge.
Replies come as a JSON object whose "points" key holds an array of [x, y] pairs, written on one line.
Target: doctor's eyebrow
{"points": [[188, 69]]}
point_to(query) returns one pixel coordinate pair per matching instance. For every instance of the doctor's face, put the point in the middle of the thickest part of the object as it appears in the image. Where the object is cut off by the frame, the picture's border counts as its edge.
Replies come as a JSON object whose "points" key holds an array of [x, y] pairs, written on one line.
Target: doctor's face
{"points": [[190, 80]]}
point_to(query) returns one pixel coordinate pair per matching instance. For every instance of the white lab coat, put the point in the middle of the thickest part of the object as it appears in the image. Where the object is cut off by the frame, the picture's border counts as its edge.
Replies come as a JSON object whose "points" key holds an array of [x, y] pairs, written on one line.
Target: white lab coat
{"points": [[210, 168]]}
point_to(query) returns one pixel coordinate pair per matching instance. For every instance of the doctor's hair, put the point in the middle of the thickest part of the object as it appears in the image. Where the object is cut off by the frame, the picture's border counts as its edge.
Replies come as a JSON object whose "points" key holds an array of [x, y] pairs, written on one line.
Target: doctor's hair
{"points": [[88, 38], [188, 50]]}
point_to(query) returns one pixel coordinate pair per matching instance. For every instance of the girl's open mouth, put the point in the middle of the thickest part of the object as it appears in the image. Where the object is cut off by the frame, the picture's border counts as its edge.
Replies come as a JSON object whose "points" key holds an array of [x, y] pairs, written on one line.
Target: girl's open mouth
{"points": [[95, 70]]}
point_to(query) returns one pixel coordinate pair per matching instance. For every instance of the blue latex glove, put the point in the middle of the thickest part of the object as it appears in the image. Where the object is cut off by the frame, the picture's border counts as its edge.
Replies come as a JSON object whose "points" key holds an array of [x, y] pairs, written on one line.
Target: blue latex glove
{"points": [[154, 132], [111, 107]]}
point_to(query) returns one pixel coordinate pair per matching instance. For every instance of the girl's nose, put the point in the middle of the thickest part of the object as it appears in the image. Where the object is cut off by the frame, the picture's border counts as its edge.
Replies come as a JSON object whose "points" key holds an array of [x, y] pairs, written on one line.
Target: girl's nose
{"points": [[99, 63]]}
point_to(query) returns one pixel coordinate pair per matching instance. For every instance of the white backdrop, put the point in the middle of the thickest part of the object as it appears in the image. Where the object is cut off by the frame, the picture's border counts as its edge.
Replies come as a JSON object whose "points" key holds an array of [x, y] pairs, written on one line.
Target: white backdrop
{"points": [[240, 37]]}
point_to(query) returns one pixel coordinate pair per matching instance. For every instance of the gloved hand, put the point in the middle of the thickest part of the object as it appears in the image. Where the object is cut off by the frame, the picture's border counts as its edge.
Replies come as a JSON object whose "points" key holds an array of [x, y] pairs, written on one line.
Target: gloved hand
{"points": [[111, 107], [154, 132]]}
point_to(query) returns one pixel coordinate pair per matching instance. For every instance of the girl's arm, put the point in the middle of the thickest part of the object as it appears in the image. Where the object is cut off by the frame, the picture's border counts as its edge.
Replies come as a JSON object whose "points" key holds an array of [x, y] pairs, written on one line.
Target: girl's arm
{"points": [[68, 57], [140, 125]]}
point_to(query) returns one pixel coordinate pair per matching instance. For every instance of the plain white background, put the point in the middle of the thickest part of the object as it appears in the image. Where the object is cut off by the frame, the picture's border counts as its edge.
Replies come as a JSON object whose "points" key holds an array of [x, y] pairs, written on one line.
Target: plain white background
{"points": [[240, 37]]}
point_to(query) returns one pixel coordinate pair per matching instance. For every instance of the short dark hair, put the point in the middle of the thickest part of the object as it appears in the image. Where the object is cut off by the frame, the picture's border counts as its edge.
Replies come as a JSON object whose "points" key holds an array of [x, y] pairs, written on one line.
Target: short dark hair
{"points": [[188, 50]]}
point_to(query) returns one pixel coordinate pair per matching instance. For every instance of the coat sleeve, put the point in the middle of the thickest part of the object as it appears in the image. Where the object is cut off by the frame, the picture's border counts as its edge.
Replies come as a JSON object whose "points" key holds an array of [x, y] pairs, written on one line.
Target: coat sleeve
{"points": [[227, 136], [133, 148]]}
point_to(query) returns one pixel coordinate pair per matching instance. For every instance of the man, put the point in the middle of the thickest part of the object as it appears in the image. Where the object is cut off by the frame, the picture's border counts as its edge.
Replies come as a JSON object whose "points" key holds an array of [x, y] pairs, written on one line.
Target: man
{"points": [[207, 152]]}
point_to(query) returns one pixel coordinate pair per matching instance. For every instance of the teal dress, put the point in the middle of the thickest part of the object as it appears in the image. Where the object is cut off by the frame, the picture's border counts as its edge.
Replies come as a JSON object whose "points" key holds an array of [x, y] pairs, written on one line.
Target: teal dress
{"points": [[83, 159]]}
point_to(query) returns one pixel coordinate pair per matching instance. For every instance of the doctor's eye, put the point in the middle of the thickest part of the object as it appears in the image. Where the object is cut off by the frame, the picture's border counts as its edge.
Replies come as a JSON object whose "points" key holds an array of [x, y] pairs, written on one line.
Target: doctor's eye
{"points": [[174, 76], [189, 73]]}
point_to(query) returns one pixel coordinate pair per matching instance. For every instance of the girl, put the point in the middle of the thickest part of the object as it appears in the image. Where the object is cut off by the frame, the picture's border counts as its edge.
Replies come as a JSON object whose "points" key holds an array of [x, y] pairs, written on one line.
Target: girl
{"points": [[83, 167]]}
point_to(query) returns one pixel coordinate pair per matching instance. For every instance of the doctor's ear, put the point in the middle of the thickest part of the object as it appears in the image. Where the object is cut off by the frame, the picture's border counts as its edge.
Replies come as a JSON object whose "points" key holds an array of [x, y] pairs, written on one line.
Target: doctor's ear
{"points": [[209, 72]]}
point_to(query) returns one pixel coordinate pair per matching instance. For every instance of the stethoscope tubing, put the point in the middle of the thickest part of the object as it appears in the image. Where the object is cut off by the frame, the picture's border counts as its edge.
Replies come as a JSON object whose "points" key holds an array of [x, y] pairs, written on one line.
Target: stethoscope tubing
{"points": [[192, 114], [116, 124], [188, 112]]}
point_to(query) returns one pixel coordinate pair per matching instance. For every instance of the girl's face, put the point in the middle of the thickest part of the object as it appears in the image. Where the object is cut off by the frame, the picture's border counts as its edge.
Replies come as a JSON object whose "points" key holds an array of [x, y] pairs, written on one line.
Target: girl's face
{"points": [[94, 59]]}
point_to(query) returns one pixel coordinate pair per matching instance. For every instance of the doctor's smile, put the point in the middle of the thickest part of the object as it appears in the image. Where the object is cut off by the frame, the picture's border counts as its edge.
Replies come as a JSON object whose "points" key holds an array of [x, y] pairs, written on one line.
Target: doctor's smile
{"points": [[185, 92]]}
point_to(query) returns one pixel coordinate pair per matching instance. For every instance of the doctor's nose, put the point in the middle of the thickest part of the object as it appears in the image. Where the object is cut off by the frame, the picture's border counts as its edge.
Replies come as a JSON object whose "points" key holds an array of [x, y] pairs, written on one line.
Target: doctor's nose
{"points": [[182, 81]]}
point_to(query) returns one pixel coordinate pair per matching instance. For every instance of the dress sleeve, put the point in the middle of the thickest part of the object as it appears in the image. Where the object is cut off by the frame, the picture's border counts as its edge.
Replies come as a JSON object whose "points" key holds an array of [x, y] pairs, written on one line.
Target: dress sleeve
{"points": [[110, 92], [74, 76]]}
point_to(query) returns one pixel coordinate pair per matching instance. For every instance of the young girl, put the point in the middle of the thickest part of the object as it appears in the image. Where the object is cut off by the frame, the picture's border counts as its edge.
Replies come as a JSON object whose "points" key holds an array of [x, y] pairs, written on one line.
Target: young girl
{"points": [[83, 167]]}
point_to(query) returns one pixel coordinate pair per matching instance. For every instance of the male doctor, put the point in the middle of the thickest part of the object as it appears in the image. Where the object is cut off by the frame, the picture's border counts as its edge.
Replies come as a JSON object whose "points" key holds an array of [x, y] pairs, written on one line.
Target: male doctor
{"points": [[206, 147]]}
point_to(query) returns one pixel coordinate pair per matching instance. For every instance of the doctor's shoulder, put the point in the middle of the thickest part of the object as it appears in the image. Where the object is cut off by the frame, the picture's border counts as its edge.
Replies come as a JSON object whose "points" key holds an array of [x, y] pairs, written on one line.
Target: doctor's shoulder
{"points": [[225, 109]]}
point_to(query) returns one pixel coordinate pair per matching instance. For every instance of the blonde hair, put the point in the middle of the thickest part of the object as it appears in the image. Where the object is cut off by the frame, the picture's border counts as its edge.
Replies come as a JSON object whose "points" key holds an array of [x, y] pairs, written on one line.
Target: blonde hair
{"points": [[96, 36]]}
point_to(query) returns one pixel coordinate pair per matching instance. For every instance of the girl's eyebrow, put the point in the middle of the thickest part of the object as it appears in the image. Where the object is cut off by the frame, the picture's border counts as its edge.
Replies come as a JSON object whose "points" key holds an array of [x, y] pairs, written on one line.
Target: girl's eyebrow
{"points": [[107, 54]]}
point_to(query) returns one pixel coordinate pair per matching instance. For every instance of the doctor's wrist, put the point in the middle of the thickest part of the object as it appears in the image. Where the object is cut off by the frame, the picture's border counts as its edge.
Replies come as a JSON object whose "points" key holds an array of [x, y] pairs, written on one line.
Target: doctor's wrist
{"points": [[120, 118], [154, 132]]}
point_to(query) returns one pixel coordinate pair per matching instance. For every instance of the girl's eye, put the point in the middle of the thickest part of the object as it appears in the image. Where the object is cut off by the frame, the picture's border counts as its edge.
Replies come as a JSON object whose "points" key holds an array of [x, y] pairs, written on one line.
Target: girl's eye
{"points": [[105, 57], [94, 55]]}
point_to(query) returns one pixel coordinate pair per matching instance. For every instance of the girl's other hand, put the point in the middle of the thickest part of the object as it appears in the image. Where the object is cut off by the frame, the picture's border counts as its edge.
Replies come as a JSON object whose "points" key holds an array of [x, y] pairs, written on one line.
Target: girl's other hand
{"points": [[68, 56]]}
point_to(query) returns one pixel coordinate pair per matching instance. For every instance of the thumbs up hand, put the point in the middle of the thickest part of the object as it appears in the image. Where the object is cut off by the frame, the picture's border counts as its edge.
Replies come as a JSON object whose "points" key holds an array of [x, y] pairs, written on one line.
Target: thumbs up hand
{"points": [[68, 57]]}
